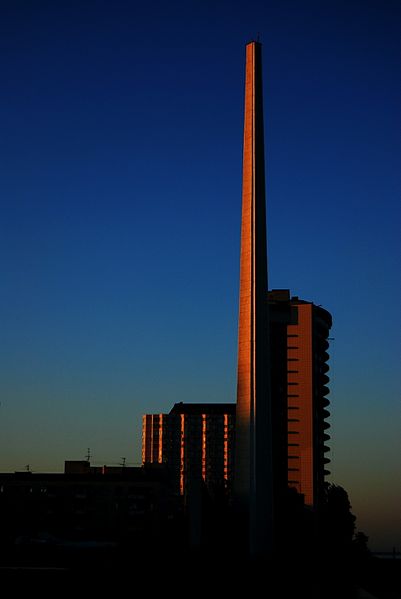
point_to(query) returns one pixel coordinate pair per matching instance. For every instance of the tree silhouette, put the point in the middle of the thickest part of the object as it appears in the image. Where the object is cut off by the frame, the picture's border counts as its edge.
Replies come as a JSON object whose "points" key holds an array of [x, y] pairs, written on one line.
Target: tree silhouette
{"points": [[337, 523]]}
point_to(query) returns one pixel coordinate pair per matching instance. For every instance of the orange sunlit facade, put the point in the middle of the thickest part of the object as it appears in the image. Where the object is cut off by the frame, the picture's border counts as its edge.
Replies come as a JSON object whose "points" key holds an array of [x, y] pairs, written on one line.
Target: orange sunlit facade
{"points": [[194, 441], [307, 359], [300, 333], [152, 432], [300, 403]]}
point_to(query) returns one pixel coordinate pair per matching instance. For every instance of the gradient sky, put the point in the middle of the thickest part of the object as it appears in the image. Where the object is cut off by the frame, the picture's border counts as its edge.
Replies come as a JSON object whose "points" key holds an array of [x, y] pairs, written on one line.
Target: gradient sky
{"points": [[120, 192]]}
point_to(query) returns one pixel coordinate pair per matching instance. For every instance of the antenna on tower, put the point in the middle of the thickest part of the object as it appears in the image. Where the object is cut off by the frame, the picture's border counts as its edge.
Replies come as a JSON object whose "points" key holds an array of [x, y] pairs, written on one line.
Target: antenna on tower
{"points": [[28, 468], [88, 455], [123, 462]]}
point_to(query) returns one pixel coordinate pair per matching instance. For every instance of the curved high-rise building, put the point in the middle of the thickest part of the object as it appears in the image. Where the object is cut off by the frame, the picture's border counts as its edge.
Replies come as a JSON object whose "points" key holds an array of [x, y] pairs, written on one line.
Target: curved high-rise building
{"points": [[299, 363]]}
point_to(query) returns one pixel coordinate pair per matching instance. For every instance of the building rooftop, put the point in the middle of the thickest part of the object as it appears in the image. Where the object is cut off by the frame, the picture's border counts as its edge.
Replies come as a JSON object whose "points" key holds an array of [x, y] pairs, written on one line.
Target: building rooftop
{"points": [[203, 408]]}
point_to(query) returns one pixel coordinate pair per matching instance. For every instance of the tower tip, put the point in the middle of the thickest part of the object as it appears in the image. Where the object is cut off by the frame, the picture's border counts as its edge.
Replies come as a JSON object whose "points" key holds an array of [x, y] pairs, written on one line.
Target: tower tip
{"points": [[255, 41]]}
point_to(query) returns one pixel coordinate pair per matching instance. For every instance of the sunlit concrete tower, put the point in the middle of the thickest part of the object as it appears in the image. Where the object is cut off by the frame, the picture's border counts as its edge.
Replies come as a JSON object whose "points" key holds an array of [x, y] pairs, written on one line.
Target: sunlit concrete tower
{"points": [[253, 485]]}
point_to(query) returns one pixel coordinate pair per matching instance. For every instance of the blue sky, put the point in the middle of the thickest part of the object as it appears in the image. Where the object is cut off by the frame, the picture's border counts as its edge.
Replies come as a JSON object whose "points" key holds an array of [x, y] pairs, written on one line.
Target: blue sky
{"points": [[120, 205]]}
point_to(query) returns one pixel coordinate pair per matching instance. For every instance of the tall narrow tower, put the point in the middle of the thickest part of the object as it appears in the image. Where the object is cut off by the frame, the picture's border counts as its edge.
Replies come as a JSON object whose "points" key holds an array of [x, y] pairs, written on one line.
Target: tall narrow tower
{"points": [[253, 486]]}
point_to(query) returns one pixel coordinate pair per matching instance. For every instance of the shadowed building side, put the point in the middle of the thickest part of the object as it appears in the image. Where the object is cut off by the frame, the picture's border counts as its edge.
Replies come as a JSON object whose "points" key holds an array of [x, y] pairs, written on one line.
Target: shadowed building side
{"points": [[253, 467]]}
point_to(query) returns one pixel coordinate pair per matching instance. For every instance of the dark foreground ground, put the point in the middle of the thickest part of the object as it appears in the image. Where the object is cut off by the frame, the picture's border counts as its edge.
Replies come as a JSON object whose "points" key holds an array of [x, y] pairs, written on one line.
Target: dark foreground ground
{"points": [[108, 571]]}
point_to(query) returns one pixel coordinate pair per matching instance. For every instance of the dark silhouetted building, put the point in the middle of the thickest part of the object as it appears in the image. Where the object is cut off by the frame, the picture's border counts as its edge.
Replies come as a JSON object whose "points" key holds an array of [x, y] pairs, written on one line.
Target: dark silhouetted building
{"points": [[87, 508], [194, 441]]}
